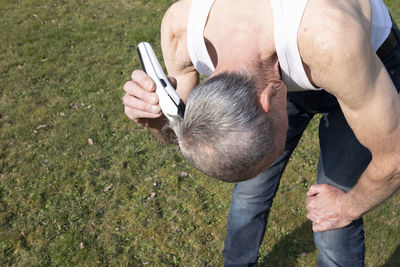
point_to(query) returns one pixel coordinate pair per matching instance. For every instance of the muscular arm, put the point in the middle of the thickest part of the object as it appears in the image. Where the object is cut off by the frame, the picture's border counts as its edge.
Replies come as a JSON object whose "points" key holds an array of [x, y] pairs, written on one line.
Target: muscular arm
{"points": [[345, 65], [374, 117], [176, 59]]}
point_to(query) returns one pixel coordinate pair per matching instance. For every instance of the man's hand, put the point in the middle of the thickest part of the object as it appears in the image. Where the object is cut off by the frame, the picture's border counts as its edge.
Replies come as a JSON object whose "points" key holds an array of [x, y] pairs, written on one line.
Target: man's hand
{"points": [[326, 209], [141, 105], [140, 100]]}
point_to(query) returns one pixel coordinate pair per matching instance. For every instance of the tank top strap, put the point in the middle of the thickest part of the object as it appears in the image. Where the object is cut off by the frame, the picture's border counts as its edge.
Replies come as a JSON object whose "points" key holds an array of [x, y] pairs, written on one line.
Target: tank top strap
{"points": [[198, 53], [287, 18], [381, 23]]}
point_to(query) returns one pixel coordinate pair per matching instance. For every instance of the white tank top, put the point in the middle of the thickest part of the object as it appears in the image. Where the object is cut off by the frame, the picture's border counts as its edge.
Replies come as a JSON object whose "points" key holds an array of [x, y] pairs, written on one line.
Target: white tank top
{"points": [[285, 33]]}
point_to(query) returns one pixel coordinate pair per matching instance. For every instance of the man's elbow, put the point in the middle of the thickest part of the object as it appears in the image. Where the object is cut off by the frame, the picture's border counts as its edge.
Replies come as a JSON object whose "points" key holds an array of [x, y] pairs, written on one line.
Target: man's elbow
{"points": [[395, 175], [385, 168]]}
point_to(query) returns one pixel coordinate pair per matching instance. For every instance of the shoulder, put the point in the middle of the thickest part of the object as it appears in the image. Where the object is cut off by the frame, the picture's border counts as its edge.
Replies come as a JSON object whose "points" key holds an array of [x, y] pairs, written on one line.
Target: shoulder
{"points": [[174, 27], [332, 34], [175, 18], [174, 47], [173, 37], [329, 21]]}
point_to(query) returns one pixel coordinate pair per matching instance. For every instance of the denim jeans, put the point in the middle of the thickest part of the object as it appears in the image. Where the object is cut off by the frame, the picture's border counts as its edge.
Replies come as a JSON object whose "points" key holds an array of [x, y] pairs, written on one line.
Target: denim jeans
{"points": [[341, 161]]}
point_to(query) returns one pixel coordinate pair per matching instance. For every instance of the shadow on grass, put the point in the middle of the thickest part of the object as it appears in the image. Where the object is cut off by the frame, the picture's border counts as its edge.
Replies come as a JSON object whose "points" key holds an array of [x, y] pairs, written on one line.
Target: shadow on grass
{"points": [[286, 252], [394, 260]]}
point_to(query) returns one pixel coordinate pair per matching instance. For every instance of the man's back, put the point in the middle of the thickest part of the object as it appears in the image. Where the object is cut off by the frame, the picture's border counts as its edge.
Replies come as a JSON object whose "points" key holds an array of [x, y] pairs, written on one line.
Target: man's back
{"points": [[242, 32]]}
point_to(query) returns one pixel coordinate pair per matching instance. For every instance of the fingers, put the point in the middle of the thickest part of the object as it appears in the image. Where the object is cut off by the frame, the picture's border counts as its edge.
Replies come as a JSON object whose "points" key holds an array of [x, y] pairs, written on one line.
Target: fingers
{"points": [[133, 102], [134, 89], [309, 203], [321, 227], [136, 108], [317, 228], [320, 223], [324, 208], [140, 100], [136, 115], [143, 80]]}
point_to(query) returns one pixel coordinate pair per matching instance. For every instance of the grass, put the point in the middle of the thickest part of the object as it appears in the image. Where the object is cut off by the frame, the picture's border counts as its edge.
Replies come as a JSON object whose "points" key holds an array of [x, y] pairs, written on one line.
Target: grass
{"points": [[81, 185]]}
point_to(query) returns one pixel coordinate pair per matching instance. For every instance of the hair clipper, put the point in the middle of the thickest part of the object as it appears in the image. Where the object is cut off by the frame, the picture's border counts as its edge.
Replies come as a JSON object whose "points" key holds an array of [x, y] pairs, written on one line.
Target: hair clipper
{"points": [[170, 102]]}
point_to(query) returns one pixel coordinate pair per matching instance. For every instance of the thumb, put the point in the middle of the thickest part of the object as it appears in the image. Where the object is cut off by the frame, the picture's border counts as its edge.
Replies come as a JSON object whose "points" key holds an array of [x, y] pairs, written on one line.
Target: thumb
{"points": [[315, 190], [173, 81]]}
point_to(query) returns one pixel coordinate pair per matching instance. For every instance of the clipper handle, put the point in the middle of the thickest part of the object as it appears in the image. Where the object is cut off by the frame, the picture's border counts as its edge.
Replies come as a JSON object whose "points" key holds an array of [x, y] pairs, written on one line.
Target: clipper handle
{"points": [[170, 102]]}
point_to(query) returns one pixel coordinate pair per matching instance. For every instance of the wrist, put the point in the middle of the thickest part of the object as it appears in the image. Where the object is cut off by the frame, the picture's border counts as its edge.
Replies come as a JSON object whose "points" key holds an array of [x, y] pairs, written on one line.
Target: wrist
{"points": [[349, 206]]}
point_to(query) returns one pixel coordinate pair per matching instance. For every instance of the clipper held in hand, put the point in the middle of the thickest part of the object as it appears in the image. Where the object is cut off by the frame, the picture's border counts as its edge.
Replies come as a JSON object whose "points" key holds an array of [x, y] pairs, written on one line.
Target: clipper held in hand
{"points": [[171, 104]]}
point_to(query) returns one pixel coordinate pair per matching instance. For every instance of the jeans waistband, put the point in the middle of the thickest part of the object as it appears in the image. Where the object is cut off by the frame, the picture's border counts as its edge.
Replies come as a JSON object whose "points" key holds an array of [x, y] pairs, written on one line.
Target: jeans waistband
{"points": [[390, 43]]}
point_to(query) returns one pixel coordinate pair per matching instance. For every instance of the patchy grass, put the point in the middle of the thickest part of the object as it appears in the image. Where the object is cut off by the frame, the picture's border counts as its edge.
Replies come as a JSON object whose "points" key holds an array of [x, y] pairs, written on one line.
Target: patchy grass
{"points": [[80, 184]]}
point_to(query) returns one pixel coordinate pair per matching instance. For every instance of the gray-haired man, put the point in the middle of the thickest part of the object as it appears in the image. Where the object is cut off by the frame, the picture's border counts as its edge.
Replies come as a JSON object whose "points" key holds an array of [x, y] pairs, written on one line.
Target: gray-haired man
{"points": [[241, 120]]}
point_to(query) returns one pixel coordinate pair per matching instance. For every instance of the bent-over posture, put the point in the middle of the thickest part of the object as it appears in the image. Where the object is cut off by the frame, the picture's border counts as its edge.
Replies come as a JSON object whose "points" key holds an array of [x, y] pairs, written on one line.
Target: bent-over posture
{"points": [[273, 65]]}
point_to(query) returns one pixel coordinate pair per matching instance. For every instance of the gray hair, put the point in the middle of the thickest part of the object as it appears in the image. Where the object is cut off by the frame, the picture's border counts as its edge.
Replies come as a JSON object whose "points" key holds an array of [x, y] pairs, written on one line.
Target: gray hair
{"points": [[225, 133]]}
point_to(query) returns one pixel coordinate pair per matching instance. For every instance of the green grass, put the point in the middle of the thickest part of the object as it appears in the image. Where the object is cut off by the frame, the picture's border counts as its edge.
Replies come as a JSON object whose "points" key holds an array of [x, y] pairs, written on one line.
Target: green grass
{"points": [[125, 199]]}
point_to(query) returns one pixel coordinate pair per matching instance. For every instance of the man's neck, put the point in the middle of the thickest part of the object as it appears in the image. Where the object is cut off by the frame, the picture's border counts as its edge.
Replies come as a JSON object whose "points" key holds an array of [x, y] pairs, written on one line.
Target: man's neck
{"points": [[241, 38], [263, 70]]}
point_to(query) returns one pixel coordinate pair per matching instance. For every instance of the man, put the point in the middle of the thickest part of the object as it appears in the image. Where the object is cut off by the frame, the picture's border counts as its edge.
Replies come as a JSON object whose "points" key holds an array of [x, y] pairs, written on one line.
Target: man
{"points": [[268, 48]]}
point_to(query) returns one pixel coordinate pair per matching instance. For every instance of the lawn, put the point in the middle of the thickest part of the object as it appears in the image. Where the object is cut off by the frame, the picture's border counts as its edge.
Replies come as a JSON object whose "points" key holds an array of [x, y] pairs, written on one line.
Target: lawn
{"points": [[82, 185]]}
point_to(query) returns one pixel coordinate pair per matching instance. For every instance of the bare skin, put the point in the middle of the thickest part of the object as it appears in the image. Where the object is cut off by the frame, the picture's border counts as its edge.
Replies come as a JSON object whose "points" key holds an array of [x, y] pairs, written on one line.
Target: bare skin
{"points": [[337, 57]]}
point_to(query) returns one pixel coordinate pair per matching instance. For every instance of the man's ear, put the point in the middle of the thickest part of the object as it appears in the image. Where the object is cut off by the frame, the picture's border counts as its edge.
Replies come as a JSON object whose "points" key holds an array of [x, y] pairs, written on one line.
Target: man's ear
{"points": [[267, 95]]}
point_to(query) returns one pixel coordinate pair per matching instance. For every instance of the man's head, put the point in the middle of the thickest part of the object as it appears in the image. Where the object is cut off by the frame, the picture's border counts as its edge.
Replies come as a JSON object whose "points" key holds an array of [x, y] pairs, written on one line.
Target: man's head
{"points": [[233, 128]]}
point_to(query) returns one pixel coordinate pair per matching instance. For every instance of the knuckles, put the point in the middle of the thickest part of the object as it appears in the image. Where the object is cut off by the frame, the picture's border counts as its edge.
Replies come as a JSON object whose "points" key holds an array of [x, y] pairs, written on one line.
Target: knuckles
{"points": [[129, 113], [137, 74], [128, 86], [138, 101], [125, 99], [140, 77]]}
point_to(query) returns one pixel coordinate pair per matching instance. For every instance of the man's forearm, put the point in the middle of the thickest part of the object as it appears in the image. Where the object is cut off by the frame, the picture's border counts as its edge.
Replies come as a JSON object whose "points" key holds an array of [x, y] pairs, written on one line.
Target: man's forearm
{"points": [[376, 184]]}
